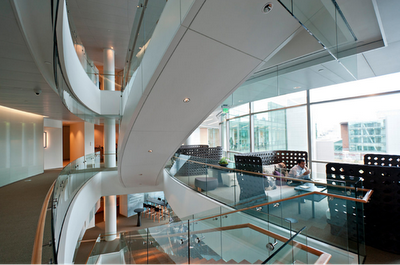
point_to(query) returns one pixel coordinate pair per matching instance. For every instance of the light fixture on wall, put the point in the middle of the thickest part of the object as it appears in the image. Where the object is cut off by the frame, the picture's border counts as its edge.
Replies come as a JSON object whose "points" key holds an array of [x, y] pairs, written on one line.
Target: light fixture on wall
{"points": [[45, 139]]}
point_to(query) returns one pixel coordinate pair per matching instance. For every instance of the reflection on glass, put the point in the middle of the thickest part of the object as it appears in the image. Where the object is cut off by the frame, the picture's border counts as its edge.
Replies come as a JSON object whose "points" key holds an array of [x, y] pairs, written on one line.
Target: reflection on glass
{"points": [[270, 131], [239, 134], [239, 110], [380, 84], [354, 128], [279, 102], [213, 137]]}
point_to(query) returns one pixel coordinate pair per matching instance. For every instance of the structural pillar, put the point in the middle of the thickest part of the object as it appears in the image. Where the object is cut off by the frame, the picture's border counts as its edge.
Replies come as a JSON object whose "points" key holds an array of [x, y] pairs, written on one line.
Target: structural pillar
{"points": [[109, 124], [109, 69], [109, 143], [110, 217]]}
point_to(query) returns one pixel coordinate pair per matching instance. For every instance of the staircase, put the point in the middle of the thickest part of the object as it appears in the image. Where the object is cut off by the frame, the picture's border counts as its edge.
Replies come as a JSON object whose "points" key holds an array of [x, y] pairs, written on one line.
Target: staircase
{"points": [[156, 256]]}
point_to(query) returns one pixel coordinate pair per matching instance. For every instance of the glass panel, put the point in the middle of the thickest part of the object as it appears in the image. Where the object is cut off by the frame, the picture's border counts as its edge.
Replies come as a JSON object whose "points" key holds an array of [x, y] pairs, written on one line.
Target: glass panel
{"points": [[287, 205], [261, 85], [380, 84], [239, 110], [279, 102], [137, 246], [239, 134], [354, 128], [68, 183], [270, 130], [168, 244], [328, 25], [48, 254], [95, 254], [213, 137]]}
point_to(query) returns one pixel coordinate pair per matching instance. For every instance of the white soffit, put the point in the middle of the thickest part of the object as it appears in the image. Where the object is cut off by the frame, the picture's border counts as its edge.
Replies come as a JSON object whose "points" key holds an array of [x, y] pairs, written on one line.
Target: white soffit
{"points": [[242, 24]]}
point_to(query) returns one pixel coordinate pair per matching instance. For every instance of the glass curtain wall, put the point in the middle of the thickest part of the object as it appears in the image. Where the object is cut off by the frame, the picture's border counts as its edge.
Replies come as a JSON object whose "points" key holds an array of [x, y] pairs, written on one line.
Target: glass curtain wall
{"points": [[346, 122]]}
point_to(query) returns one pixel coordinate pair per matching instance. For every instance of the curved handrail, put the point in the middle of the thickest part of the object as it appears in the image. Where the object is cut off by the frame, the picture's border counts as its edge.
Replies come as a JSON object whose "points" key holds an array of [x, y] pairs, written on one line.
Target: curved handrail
{"points": [[323, 257], [63, 185], [38, 243], [365, 199]]}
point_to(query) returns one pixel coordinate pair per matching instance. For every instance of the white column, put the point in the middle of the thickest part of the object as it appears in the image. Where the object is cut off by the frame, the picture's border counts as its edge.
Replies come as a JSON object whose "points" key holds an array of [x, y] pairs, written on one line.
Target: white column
{"points": [[109, 69], [80, 51], [109, 143], [109, 125], [110, 217]]}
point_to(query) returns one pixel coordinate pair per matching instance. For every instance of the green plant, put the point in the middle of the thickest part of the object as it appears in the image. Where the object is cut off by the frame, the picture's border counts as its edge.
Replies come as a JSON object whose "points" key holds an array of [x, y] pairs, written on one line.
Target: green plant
{"points": [[223, 161]]}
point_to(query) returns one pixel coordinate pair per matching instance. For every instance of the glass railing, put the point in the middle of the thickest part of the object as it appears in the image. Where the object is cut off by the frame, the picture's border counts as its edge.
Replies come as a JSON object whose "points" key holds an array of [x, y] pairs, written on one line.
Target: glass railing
{"points": [[232, 237], [146, 19], [334, 210], [46, 248], [95, 253], [69, 182]]}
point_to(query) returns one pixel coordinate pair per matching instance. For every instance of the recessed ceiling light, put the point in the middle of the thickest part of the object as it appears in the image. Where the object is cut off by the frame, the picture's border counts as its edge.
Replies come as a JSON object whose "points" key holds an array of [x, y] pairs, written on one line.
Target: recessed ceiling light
{"points": [[150, 151], [267, 7], [186, 100], [296, 87], [240, 100]]}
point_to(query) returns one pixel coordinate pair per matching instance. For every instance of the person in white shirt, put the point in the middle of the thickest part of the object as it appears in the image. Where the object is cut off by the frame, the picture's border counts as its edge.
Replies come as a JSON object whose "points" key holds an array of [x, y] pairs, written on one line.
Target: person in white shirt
{"points": [[300, 171]]}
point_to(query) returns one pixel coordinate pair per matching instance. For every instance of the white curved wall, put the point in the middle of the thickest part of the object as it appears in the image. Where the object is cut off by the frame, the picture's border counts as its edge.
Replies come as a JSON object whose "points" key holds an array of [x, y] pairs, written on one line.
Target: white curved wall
{"points": [[75, 75], [108, 183]]}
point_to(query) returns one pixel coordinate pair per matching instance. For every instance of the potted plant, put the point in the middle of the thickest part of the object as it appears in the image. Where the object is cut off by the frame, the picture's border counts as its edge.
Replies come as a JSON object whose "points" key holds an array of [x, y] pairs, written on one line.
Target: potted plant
{"points": [[223, 162]]}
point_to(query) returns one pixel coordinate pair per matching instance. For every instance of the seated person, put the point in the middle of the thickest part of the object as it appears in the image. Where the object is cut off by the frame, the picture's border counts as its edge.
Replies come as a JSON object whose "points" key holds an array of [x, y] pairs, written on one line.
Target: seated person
{"points": [[300, 171], [280, 170]]}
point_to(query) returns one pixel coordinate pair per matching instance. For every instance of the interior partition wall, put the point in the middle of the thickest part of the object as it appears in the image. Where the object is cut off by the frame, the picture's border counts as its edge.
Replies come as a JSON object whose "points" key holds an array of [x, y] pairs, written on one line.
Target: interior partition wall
{"points": [[21, 145]]}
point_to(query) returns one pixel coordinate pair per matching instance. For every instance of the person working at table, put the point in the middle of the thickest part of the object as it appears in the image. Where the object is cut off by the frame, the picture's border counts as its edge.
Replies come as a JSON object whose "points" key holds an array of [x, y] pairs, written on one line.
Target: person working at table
{"points": [[300, 171]]}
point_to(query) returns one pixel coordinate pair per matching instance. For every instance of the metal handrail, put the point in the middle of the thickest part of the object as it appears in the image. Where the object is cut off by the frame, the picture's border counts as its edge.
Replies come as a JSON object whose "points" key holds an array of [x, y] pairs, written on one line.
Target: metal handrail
{"points": [[365, 199], [38, 243]]}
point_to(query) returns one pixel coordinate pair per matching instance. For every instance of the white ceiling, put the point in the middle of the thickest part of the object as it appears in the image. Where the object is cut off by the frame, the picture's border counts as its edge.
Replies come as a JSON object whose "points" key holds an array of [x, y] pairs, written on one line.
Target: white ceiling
{"points": [[19, 74], [103, 23], [316, 69]]}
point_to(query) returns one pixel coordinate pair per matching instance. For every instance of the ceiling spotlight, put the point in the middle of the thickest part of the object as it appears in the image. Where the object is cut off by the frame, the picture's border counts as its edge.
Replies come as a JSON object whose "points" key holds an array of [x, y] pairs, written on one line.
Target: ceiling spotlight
{"points": [[267, 7], [296, 87], [186, 100], [150, 151]]}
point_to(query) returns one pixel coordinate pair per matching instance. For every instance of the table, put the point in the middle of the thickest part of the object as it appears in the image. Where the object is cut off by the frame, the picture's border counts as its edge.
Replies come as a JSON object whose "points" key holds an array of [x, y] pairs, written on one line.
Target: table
{"points": [[139, 213], [155, 201], [310, 187]]}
